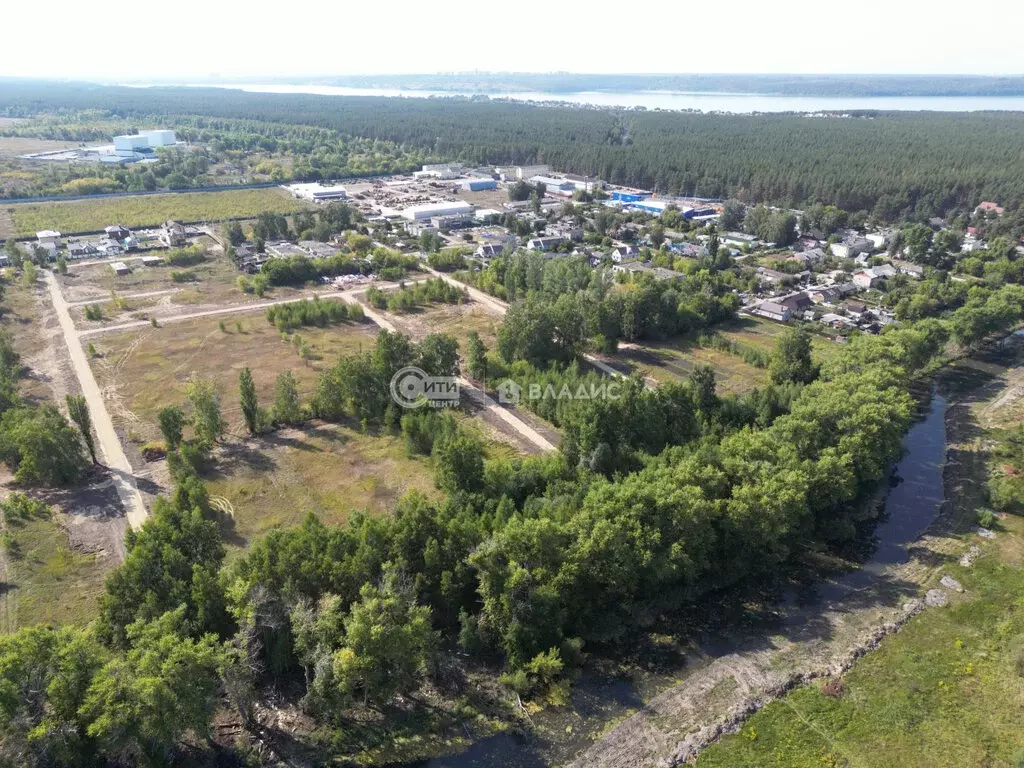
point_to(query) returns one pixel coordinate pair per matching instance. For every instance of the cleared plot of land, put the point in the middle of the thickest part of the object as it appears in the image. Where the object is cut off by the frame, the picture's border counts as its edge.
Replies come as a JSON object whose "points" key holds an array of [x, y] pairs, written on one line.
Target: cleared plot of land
{"points": [[454, 319], [762, 333], [143, 371], [148, 210], [332, 470], [674, 361], [13, 146], [50, 581]]}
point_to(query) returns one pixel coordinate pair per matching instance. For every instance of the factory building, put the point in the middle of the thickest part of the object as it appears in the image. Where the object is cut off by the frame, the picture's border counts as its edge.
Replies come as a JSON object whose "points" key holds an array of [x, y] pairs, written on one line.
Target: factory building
{"points": [[479, 185], [658, 207], [140, 146], [440, 171], [318, 193], [629, 195], [430, 210]]}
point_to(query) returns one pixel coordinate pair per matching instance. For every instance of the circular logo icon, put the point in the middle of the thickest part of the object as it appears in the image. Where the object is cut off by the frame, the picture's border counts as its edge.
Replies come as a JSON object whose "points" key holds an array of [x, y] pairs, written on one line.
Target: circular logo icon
{"points": [[408, 386]]}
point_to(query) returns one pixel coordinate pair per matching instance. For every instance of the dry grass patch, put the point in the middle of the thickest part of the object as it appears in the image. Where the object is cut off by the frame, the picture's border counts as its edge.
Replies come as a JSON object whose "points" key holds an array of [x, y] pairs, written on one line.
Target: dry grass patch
{"points": [[145, 370]]}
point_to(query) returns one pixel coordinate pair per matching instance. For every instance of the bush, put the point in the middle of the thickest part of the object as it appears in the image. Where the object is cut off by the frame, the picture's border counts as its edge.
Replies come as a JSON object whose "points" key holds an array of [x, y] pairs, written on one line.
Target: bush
{"points": [[18, 507], [186, 257], [154, 450], [834, 687], [318, 312], [93, 312], [185, 276]]}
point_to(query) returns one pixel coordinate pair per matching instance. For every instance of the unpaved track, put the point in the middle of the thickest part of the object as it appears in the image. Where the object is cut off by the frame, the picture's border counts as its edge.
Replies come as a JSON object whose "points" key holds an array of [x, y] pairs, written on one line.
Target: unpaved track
{"points": [[499, 307], [110, 444], [143, 295]]}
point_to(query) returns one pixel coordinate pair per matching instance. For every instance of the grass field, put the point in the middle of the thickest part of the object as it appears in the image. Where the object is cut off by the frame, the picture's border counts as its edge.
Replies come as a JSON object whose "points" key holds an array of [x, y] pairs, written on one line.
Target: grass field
{"points": [[674, 361], [145, 210], [455, 319], [49, 582], [143, 371], [328, 469], [946, 691]]}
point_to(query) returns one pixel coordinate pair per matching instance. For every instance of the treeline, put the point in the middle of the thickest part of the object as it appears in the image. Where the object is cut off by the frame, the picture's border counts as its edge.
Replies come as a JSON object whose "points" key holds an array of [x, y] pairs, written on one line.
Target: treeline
{"points": [[563, 307], [894, 165], [407, 298], [315, 311]]}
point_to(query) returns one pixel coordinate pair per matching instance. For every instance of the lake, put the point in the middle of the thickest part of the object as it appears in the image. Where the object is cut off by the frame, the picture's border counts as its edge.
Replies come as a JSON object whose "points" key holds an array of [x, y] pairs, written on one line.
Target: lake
{"points": [[703, 102]]}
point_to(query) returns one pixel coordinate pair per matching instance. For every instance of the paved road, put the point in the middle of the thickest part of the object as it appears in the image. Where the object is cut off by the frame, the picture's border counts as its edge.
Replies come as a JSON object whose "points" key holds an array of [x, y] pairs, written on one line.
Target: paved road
{"points": [[109, 443], [500, 308], [509, 417]]}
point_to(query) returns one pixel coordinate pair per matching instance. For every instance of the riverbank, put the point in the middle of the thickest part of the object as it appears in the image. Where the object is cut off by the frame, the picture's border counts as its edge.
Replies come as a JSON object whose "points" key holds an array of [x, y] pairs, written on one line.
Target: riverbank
{"points": [[944, 691]]}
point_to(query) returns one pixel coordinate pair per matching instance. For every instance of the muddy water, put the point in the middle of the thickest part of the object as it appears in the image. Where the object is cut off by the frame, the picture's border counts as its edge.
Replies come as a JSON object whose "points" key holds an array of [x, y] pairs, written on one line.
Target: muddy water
{"points": [[913, 502]]}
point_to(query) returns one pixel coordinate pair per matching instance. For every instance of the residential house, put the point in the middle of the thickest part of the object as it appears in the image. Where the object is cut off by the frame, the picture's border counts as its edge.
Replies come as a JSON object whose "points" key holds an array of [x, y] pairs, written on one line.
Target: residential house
{"points": [[795, 302], [544, 244], [48, 239], [773, 311], [108, 247], [77, 250], [173, 234], [865, 279], [623, 252], [851, 246], [884, 271], [821, 295], [283, 250], [879, 240], [739, 239], [488, 251], [989, 207], [772, 277], [660, 273], [117, 232], [855, 309], [632, 267], [809, 257], [833, 320], [318, 250]]}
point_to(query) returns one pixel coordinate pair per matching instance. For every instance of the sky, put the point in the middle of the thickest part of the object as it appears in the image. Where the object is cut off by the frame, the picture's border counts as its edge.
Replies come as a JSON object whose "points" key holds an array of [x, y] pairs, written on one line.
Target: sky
{"points": [[185, 40]]}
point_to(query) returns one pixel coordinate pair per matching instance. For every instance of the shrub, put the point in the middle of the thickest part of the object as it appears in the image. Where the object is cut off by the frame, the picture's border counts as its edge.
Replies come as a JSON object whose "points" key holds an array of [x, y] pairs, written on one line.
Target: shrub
{"points": [[185, 276], [19, 506], [93, 312], [154, 450]]}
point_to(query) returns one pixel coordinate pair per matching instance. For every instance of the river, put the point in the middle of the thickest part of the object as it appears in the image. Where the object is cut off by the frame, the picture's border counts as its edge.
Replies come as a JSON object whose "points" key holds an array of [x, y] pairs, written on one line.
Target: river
{"points": [[913, 501], [741, 103]]}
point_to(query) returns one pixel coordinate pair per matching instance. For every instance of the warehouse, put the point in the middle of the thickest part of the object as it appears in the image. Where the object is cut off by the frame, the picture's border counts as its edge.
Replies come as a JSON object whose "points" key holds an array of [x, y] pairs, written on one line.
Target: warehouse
{"points": [[318, 193], [430, 210], [658, 207], [479, 185]]}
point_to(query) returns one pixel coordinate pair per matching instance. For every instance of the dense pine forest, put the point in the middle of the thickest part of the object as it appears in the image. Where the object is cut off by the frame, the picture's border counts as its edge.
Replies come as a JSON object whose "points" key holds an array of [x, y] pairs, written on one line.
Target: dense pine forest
{"points": [[893, 165]]}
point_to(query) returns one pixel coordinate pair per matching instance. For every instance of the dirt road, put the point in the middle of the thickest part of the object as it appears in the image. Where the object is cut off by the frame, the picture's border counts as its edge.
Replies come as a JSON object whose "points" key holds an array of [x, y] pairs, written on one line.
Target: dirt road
{"points": [[110, 444], [499, 307]]}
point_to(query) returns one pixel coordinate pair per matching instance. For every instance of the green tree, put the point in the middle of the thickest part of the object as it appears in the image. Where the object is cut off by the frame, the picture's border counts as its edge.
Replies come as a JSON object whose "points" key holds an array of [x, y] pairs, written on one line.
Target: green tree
{"points": [[206, 417], [439, 355], [28, 274], [287, 409], [45, 674], [476, 362], [62, 265], [459, 463], [78, 410], [791, 359], [388, 643], [247, 400], [165, 686], [41, 446], [172, 424]]}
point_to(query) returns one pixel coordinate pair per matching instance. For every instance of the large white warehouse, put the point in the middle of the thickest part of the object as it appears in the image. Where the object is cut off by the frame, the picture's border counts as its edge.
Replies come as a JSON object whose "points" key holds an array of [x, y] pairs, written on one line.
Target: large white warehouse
{"points": [[430, 210], [143, 141]]}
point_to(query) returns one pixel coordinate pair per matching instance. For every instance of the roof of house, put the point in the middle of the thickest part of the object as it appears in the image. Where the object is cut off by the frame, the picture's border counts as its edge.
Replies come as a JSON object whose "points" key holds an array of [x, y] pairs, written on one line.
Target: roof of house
{"points": [[773, 308]]}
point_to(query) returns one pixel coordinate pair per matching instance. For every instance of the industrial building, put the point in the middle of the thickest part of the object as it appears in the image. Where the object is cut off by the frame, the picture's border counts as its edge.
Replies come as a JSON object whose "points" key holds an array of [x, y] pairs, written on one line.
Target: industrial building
{"points": [[318, 193], [140, 146], [629, 195], [479, 185], [440, 171], [430, 210], [659, 206]]}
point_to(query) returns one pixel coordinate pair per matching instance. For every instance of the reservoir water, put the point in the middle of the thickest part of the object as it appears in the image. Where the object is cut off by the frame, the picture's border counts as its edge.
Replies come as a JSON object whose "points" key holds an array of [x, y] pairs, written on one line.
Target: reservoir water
{"points": [[701, 102]]}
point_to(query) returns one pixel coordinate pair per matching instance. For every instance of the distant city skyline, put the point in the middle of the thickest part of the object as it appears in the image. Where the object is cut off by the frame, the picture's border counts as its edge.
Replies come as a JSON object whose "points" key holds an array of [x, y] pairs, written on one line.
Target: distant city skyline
{"points": [[192, 39]]}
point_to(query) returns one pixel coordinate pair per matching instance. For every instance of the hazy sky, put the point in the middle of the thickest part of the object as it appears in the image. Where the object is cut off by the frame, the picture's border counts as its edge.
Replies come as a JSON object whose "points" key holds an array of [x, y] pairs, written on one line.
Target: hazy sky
{"points": [[186, 39]]}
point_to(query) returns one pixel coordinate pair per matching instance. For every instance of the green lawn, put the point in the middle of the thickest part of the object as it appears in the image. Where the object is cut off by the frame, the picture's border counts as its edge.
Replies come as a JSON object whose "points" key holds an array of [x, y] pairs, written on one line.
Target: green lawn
{"points": [[49, 582], [146, 210], [948, 690]]}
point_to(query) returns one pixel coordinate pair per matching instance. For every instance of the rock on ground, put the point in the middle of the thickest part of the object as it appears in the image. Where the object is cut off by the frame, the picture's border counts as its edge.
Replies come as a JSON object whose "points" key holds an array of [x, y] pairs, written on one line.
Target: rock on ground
{"points": [[936, 598]]}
